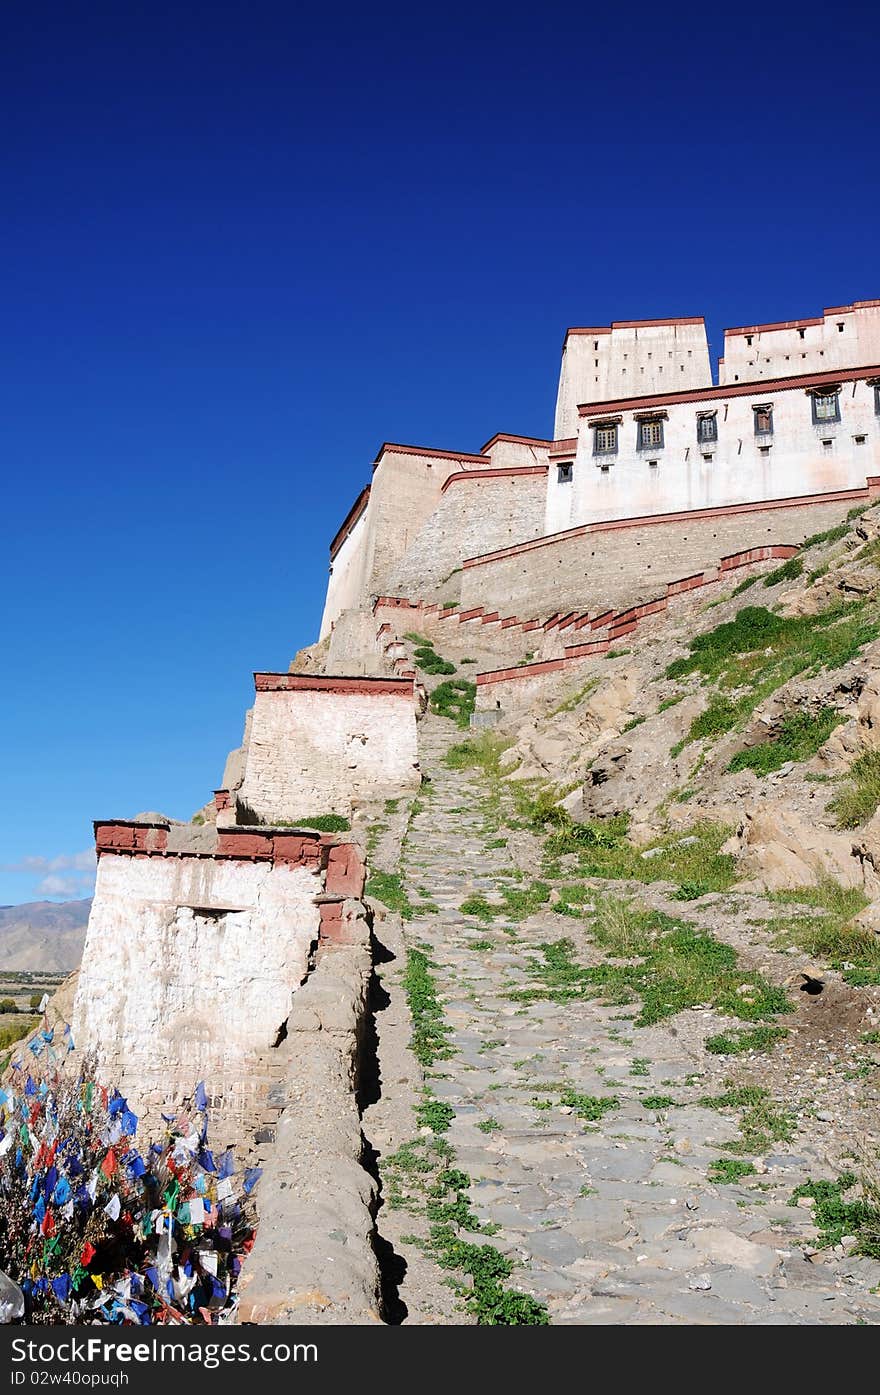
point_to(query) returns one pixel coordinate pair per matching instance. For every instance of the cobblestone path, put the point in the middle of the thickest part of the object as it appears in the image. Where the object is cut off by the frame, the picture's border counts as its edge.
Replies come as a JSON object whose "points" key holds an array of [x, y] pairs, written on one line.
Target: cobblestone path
{"points": [[611, 1220]]}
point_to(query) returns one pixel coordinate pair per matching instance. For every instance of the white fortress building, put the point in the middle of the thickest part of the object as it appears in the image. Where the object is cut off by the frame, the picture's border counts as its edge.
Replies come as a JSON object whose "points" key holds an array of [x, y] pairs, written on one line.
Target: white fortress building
{"points": [[641, 431]]}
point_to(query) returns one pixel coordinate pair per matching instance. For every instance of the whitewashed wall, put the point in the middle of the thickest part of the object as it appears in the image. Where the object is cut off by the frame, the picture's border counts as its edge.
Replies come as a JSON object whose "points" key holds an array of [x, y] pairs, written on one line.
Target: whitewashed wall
{"points": [[188, 969], [797, 464], [315, 752]]}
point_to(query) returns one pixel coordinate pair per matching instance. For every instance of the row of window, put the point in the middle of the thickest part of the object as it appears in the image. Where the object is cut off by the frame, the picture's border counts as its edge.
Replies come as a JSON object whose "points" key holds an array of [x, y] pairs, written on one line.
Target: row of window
{"points": [[825, 408]]}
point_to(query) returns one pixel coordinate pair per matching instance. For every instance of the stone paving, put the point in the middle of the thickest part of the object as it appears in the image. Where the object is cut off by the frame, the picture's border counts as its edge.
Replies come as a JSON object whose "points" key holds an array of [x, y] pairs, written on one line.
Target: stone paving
{"points": [[613, 1221]]}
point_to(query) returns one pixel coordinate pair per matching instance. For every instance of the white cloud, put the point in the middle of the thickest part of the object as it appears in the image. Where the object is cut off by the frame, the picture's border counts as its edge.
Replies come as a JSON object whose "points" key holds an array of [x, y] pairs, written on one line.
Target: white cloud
{"points": [[65, 862], [71, 887]]}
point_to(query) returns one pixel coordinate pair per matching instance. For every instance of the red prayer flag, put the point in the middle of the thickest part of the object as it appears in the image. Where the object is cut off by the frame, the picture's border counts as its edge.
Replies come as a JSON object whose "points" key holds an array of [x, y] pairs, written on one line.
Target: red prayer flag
{"points": [[109, 1165]]}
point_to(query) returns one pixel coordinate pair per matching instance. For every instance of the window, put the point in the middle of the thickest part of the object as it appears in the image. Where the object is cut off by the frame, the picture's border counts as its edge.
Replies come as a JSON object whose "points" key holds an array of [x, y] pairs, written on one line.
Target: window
{"points": [[650, 434], [564, 474], [877, 399], [840, 329], [763, 421], [605, 440], [826, 406], [707, 426], [827, 446], [801, 333]]}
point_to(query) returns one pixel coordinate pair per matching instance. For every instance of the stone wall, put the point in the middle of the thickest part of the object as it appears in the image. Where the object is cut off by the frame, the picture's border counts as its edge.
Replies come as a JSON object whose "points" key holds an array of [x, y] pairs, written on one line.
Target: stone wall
{"points": [[626, 562], [319, 744], [477, 511], [313, 1260]]}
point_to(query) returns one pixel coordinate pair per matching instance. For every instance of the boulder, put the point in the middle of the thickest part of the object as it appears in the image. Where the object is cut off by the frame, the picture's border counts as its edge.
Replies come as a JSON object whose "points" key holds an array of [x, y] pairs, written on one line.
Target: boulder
{"points": [[779, 849]]}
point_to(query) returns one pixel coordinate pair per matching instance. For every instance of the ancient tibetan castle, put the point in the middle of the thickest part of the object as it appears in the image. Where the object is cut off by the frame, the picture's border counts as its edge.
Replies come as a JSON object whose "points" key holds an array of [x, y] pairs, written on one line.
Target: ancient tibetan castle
{"points": [[236, 948]]}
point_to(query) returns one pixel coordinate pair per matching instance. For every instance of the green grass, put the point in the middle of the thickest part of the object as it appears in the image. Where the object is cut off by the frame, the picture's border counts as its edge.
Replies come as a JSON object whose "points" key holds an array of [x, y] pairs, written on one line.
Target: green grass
{"points": [[324, 823], [859, 796], [519, 903], [676, 966], [830, 535], [800, 737], [738, 1043], [388, 888], [604, 850], [670, 702], [832, 936], [729, 1170], [420, 1177], [455, 698], [835, 1217], [657, 1101], [11, 1032], [752, 655], [589, 1107], [630, 726], [434, 1114], [429, 662], [743, 586], [429, 1030], [488, 1126], [762, 1123], [481, 752], [789, 571]]}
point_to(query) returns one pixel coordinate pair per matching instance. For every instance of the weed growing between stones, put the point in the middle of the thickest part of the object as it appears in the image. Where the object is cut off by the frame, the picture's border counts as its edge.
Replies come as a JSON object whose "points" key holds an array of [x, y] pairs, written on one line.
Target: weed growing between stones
{"points": [[429, 1035], [519, 903], [589, 1107], [762, 1123], [739, 1043], [730, 1170], [429, 661], [324, 823], [388, 888], [694, 860], [834, 1217], [657, 1102], [789, 571]]}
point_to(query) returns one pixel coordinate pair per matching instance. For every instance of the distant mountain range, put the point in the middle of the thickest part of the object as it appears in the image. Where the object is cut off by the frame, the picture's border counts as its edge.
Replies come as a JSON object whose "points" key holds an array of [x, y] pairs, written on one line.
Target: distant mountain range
{"points": [[43, 935]]}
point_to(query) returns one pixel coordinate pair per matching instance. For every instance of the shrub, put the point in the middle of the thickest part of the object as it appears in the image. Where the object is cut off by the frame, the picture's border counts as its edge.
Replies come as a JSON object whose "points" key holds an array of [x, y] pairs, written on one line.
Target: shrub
{"points": [[429, 662], [787, 572], [800, 737], [8, 1005], [455, 699], [324, 823]]}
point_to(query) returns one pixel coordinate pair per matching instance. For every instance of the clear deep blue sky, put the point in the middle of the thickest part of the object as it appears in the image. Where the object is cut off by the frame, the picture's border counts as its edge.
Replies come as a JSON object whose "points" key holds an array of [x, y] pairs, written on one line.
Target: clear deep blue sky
{"points": [[244, 244]]}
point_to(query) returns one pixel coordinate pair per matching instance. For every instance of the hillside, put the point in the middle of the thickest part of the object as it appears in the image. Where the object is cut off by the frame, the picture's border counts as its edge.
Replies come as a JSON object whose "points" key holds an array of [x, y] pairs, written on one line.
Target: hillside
{"points": [[43, 935]]}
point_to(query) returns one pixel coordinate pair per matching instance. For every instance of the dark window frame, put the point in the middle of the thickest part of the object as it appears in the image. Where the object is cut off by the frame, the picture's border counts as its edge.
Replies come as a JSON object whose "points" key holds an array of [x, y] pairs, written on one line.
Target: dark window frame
{"points": [[656, 425], [609, 449], [759, 414], [710, 420], [816, 397], [565, 472]]}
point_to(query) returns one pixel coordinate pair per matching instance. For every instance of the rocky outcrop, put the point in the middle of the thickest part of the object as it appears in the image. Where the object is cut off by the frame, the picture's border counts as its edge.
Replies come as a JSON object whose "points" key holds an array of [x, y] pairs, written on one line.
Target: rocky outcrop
{"points": [[778, 849]]}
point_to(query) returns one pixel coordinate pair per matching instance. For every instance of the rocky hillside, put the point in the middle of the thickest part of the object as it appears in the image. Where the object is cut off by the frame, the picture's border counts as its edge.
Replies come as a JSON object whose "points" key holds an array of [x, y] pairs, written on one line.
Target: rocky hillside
{"points": [[41, 935]]}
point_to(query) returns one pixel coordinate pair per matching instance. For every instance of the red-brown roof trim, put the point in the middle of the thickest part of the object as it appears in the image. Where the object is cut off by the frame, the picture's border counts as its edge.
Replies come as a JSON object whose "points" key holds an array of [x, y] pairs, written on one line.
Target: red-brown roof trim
{"points": [[635, 324], [520, 440], [395, 448], [499, 472], [350, 520], [761, 386]]}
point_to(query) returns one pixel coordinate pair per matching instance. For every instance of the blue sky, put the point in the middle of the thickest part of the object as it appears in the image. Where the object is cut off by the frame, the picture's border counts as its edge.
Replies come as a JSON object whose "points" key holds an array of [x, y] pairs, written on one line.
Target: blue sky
{"points": [[244, 244]]}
